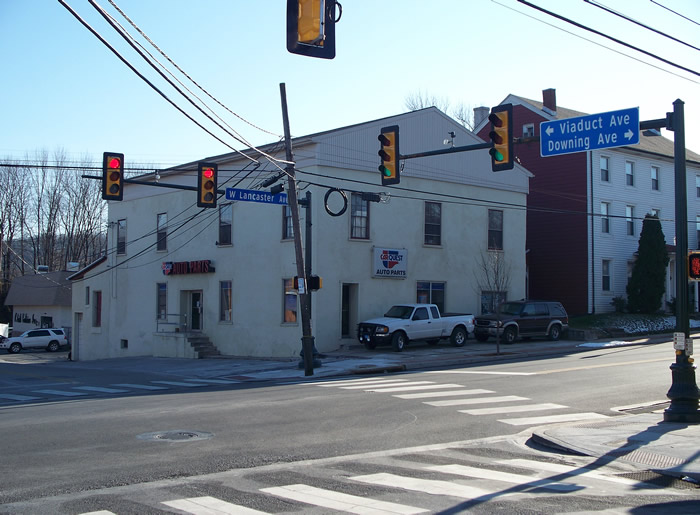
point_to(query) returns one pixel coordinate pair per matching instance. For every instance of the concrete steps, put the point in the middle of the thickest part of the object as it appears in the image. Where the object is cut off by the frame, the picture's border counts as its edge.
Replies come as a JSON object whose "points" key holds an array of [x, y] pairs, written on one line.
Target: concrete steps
{"points": [[202, 346]]}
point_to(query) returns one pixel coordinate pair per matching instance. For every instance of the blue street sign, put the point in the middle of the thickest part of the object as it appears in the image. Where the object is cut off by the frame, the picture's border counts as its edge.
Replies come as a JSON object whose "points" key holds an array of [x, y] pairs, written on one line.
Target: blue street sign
{"points": [[594, 131], [263, 197]]}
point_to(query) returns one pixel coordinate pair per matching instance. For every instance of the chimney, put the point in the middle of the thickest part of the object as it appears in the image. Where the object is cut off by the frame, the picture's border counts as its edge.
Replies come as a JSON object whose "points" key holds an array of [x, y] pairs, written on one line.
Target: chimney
{"points": [[549, 99], [480, 114]]}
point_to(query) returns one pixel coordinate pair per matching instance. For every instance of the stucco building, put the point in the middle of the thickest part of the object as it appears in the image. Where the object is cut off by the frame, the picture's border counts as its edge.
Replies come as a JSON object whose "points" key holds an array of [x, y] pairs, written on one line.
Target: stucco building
{"points": [[176, 274]]}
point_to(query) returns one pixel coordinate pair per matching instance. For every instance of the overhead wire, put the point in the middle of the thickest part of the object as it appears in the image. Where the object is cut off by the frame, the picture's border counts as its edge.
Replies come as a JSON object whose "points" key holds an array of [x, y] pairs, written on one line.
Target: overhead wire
{"points": [[625, 17], [674, 12], [597, 43], [611, 38]]}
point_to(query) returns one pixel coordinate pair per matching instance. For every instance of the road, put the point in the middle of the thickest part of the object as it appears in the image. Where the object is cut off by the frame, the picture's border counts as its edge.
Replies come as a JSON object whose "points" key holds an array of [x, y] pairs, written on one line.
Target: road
{"points": [[440, 441]]}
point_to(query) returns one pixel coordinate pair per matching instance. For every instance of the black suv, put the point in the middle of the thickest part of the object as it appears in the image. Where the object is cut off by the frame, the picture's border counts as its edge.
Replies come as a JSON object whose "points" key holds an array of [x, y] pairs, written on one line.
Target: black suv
{"points": [[523, 318]]}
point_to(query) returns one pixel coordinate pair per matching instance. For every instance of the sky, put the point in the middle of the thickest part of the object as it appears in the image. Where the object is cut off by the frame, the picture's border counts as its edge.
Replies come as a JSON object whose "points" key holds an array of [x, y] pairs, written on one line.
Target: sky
{"points": [[63, 90]]}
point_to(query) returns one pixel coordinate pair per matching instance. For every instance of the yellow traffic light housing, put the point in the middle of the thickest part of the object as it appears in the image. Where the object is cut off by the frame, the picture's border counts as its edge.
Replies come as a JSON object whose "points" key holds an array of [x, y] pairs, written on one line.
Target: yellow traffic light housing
{"points": [[694, 266], [311, 28], [112, 176], [501, 135], [389, 154], [206, 184]]}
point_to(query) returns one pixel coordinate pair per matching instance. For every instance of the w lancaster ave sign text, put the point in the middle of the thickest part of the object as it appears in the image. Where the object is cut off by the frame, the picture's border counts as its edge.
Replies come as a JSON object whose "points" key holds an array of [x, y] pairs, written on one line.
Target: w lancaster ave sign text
{"points": [[590, 132]]}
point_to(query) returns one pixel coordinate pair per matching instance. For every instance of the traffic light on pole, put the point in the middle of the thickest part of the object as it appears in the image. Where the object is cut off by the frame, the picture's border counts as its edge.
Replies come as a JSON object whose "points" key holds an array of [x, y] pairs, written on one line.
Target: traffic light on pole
{"points": [[501, 135], [389, 154], [311, 28], [694, 266], [112, 176], [206, 184]]}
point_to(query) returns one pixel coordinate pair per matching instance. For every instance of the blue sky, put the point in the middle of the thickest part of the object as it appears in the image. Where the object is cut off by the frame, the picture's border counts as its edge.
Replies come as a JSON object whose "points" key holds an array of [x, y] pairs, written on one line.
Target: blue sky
{"points": [[62, 89]]}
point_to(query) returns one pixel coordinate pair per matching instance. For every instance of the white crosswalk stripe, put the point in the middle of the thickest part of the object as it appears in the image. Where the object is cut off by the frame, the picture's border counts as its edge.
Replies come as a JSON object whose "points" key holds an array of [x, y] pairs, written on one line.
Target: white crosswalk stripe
{"points": [[496, 475], [449, 393], [402, 388], [512, 409], [210, 506], [537, 421], [351, 382], [213, 381], [178, 383], [340, 501], [13, 397], [477, 400], [99, 389], [60, 393], [149, 387], [428, 486], [380, 386], [570, 471]]}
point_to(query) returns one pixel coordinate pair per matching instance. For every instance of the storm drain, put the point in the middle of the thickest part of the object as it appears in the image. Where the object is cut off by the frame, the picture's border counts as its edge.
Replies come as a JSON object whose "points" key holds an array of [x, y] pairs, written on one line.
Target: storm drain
{"points": [[660, 480], [175, 436]]}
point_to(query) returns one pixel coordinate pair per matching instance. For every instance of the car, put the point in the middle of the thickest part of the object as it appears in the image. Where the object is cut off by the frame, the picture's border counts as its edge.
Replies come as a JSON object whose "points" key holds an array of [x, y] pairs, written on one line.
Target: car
{"points": [[51, 339], [523, 319]]}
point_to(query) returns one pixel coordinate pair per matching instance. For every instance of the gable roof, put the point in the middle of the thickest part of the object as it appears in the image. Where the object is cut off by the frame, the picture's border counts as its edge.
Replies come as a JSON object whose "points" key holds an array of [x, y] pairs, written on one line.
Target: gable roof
{"points": [[51, 289], [648, 143]]}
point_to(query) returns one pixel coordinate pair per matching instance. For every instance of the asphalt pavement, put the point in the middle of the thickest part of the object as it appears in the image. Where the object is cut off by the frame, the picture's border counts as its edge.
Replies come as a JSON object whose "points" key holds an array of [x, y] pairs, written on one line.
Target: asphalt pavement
{"points": [[643, 440]]}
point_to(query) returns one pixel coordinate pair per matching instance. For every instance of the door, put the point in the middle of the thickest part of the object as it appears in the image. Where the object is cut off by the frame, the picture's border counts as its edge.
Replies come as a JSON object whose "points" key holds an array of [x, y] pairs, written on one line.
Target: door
{"points": [[421, 325], [196, 310], [348, 311]]}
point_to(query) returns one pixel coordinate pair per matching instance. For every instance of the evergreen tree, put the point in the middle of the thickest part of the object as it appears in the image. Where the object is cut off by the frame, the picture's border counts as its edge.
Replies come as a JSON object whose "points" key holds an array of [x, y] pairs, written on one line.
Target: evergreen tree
{"points": [[647, 285]]}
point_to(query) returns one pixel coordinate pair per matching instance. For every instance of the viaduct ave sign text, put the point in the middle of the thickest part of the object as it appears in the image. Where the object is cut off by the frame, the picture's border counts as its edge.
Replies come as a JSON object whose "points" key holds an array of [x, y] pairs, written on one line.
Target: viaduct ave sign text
{"points": [[590, 132]]}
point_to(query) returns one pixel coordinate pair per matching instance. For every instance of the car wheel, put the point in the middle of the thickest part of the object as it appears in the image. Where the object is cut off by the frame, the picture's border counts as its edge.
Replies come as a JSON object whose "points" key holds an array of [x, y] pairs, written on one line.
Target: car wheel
{"points": [[399, 341], [370, 345], [53, 346], [509, 334], [555, 332], [14, 348], [459, 336], [481, 337]]}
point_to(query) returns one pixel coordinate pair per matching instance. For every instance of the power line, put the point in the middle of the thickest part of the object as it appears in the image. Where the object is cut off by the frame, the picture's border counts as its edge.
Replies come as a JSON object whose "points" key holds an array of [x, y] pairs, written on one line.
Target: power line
{"points": [[624, 17], [142, 77], [674, 12], [594, 31]]}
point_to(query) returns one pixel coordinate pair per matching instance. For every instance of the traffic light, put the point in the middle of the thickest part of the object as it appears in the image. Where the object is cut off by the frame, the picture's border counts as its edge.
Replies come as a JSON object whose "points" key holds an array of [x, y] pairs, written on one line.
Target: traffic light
{"points": [[112, 176], [694, 266], [206, 184], [501, 135], [389, 153], [311, 28]]}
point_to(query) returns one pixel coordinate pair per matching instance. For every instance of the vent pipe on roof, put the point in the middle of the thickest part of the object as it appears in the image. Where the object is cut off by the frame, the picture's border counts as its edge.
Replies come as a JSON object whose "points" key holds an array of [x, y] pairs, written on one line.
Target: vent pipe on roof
{"points": [[42, 269]]}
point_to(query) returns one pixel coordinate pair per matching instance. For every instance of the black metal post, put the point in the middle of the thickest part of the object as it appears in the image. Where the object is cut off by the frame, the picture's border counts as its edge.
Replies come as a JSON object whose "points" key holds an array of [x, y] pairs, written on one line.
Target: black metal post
{"points": [[684, 393]]}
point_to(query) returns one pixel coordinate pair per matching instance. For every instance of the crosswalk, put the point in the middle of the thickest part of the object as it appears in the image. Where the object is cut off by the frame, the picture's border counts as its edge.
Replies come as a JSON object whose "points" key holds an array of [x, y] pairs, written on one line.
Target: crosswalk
{"points": [[415, 482], [468, 401], [64, 392]]}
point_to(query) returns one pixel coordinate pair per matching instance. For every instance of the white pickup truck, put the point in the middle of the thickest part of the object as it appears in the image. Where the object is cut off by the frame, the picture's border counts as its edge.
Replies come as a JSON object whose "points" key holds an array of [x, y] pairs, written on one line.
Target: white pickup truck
{"points": [[406, 322]]}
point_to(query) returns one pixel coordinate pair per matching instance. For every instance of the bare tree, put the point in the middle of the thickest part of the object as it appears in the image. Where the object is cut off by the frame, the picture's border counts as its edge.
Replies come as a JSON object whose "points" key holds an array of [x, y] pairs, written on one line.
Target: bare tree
{"points": [[492, 274], [420, 100]]}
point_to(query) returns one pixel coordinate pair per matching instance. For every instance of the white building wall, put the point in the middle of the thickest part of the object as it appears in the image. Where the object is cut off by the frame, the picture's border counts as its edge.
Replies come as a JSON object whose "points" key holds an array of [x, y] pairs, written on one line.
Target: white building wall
{"points": [[259, 259], [619, 247]]}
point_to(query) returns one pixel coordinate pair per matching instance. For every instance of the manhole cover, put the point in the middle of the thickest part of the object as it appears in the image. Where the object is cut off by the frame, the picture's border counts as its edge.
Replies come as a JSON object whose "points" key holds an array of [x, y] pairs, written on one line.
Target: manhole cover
{"points": [[175, 436]]}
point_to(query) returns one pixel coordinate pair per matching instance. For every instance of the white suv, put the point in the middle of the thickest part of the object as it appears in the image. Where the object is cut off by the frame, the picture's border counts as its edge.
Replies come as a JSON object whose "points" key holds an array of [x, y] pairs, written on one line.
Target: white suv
{"points": [[49, 339]]}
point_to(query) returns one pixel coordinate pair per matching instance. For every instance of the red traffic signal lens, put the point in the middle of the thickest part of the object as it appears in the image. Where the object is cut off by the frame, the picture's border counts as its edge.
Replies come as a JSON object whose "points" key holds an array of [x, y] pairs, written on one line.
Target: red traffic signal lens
{"points": [[208, 173], [114, 163]]}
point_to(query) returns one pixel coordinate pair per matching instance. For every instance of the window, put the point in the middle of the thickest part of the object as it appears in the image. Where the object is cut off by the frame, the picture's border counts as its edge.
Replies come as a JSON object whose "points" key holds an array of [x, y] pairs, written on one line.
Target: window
{"points": [[290, 302], [495, 237], [162, 231], [226, 224], [605, 274], [287, 225], [431, 293], [490, 301], [604, 169], [161, 301], [604, 220], [629, 215], [529, 130], [225, 309], [697, 186], [655, 178], [359, 218], [421, 314], [87, 295], [697, 230], [96, 309], [121, 236], [433, 218], [629, 173]]}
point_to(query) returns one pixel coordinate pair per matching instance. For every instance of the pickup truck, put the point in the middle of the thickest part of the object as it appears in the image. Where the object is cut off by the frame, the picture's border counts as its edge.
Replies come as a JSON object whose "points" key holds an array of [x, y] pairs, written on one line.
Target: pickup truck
{"points": [[405, 322]]}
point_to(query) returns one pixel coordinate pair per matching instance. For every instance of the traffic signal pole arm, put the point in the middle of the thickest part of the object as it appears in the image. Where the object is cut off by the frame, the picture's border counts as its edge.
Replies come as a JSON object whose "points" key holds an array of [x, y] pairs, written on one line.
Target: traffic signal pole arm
{"points": [[452, 150]]}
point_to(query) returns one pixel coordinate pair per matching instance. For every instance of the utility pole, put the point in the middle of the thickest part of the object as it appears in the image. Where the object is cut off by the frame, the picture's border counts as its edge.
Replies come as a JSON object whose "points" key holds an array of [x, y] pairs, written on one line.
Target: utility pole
{"points": [[307, 340]]}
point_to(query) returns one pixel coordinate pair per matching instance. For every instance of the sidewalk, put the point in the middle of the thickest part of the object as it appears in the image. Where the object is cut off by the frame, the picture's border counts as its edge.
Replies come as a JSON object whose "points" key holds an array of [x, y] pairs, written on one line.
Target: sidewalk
{"points": [[644, 441]]}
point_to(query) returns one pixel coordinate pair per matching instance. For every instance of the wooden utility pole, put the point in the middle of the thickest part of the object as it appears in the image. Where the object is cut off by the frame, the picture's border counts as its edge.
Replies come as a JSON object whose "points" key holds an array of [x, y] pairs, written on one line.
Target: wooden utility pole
{"points": [[307, 340]]}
